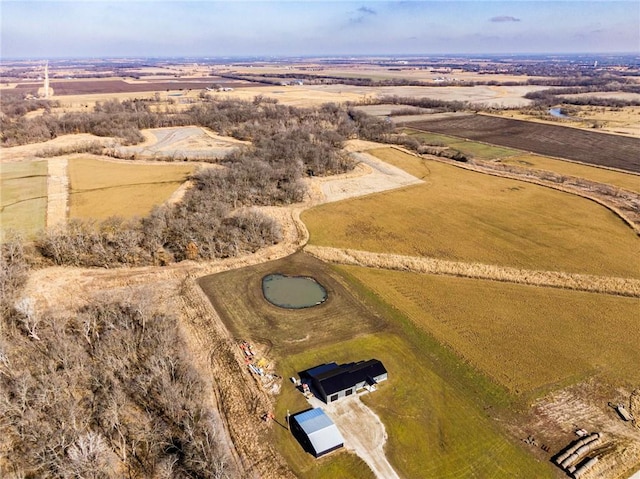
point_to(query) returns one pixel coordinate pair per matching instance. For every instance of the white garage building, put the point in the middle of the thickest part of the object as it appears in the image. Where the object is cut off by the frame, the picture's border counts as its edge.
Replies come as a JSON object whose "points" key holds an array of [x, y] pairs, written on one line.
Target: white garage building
{"points": [[316, 432]]}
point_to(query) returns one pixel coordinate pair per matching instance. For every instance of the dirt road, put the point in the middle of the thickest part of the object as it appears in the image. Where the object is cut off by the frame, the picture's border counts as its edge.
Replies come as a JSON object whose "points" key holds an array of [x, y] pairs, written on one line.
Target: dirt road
{"points": [[57, 191], [363, 432]]}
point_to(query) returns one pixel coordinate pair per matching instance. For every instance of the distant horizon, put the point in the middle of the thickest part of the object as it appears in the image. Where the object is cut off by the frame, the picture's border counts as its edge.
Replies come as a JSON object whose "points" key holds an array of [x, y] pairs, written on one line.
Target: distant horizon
{"points": [[278, 28], [328, 56]]}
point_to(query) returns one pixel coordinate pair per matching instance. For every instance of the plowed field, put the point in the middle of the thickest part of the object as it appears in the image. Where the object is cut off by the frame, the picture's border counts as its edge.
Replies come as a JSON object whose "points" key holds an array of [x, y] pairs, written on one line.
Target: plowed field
{"points": [[579, 145]]}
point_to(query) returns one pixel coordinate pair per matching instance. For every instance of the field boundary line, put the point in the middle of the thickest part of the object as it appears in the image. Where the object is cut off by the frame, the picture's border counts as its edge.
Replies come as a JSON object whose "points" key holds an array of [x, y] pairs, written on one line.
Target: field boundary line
{"points": [[480, 168], [415, 264], [57, 192]]}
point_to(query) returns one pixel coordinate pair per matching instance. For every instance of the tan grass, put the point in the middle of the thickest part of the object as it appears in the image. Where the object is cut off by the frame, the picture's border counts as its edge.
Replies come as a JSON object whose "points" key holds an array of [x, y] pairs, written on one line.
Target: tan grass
{"points": [[527, 339], [628, 181], [463, 216], [102, 188], [554, 279]]}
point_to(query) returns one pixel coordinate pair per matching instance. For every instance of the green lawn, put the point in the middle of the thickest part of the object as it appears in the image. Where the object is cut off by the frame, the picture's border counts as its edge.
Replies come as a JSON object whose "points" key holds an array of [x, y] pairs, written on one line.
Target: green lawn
{"points": [[474, 149]]}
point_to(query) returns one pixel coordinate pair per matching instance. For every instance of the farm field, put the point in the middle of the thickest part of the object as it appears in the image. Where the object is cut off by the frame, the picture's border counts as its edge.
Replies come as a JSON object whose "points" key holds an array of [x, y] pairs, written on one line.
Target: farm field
{"points": [[470, 148], [628, 181], [102, 188], [23, 197], [351, 325], [511, 156], [563, 142], [466, 216], [528, 339], [85, 87]]}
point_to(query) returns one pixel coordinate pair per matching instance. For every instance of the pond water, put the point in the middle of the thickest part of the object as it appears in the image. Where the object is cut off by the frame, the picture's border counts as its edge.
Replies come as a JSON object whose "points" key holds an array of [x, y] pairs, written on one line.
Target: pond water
{"points": [[293, 292], [557, 112]]}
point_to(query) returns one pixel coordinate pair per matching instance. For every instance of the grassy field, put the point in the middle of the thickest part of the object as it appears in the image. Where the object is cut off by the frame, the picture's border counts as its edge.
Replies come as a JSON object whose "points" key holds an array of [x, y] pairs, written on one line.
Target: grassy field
{"points": [[100, 189], [470, 148], [433, 405], [526, 338], [627, 181], [467, 216], [23, 197]]}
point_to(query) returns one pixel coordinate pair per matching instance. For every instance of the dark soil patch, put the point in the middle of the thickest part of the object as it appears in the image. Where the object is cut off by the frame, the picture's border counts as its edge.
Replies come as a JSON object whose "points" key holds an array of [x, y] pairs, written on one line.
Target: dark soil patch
{"points": [[559, 141]]}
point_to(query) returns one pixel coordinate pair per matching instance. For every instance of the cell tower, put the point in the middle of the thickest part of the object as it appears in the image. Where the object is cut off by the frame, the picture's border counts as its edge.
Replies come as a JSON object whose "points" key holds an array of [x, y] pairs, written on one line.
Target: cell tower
{"points": [[46, 79]]}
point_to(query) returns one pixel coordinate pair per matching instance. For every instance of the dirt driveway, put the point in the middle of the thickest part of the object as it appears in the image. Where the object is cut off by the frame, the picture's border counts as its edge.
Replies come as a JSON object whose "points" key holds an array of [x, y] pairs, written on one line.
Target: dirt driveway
{"points": [[363, 432]]}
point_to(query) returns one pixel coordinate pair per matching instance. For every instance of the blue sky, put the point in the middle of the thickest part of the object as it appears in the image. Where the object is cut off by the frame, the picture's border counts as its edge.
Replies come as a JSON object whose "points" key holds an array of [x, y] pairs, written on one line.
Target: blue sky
{"points": [[94, 28]]}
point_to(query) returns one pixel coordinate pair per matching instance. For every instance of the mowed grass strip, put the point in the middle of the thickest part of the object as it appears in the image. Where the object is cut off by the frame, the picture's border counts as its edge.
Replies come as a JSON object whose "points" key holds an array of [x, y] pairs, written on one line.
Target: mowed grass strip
{"points": [[526, 338], [101, 188], [238, 298], [432, 404], [474, 149], [434, 430], [23, 197], [628, 181], [462, 215]]}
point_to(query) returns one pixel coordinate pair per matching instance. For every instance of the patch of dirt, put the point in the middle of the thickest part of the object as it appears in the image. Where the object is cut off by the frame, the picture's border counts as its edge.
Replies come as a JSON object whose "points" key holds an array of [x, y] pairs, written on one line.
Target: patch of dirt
{"points": [[363, 432], [554, 419], [57, 192]]}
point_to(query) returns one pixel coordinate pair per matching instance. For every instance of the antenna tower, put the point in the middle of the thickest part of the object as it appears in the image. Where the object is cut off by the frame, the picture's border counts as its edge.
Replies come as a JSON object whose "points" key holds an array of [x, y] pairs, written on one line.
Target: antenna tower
{"points": [[46, 79]]}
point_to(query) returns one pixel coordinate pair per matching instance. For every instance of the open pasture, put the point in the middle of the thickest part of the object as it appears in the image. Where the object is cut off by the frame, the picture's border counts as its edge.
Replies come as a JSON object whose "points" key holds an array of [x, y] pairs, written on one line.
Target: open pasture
{"points": [[431, 404], [466, 216], [102, 188], [526, 338], [23, 197], [562, 142]]}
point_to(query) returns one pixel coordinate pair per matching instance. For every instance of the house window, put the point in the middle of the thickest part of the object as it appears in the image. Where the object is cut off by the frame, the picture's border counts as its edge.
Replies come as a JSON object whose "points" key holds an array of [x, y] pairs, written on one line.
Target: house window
{"points": [[333, 398], [348, 392]]}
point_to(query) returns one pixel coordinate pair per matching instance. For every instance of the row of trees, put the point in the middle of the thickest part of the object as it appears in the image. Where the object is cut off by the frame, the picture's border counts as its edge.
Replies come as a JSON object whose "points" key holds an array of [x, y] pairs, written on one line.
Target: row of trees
{"points": [[105, 392]]}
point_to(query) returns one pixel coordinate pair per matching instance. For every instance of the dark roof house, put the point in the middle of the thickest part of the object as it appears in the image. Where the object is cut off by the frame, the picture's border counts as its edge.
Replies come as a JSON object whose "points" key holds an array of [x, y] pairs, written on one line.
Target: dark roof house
{"points": [[333, 381]]}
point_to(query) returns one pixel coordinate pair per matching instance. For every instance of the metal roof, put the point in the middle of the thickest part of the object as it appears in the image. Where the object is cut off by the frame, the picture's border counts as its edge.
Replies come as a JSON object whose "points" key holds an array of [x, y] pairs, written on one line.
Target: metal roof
{"points": [[346, 376], [320, 429]]}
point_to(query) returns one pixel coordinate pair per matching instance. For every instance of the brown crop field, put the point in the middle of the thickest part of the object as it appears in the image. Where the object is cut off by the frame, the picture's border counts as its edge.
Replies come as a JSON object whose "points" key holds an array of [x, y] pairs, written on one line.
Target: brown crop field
{"points": [[526, 338], [453, 434], [461, 215], [558, 141], [102, 188], [86, 87], [23, 197]]}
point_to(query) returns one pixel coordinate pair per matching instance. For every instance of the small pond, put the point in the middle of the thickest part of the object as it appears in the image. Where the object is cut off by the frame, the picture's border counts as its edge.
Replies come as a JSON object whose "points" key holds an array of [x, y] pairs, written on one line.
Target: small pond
{"points": [[293, 292], [557, 112]]}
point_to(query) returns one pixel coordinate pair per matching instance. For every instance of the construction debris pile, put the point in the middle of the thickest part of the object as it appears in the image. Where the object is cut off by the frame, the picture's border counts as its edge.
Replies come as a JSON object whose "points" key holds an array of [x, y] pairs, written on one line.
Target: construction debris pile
{"points": [[260, 368]]}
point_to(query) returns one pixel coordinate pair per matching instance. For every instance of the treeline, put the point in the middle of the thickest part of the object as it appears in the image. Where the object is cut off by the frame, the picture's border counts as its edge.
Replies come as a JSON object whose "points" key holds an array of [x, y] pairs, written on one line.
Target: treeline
{"points": [[556, 96], [106, 392], [384, 131], [13, 104], [215, 218]]}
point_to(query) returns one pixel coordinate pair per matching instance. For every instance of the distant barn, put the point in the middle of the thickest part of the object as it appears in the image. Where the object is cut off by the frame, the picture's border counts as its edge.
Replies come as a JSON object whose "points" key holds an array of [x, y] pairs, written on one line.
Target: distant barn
{"points": [[316, 432], [332, 381]]}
